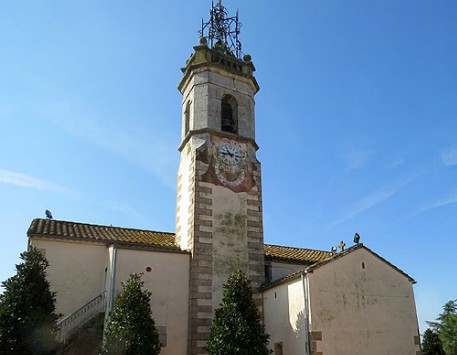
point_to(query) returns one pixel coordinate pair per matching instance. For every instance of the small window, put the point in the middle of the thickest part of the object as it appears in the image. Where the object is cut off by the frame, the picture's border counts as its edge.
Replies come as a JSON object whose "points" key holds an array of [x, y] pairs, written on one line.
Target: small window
{"points": [[278, 348], [187, 117], [229, 114], [162, 332]]}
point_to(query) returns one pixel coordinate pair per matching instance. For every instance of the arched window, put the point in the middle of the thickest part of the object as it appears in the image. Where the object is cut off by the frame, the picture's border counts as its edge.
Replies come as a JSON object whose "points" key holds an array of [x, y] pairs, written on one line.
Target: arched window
{"points": [[229, 114], [187, 117]]}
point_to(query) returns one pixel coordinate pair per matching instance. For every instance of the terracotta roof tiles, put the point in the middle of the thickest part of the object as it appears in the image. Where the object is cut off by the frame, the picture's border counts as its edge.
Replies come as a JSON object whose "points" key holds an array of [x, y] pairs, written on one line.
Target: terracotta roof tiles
{"points": [[308, 256], [51, 228], [65, 230]]}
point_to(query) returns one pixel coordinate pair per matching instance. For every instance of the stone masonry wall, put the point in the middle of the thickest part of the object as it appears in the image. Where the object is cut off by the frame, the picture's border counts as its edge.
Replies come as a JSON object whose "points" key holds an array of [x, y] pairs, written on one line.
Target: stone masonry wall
{"points": [[226, 229]]}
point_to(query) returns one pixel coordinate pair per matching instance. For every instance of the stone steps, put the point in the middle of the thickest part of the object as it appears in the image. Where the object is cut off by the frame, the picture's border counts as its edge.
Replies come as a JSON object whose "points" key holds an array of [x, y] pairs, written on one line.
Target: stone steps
{"points": [[88, 340]]}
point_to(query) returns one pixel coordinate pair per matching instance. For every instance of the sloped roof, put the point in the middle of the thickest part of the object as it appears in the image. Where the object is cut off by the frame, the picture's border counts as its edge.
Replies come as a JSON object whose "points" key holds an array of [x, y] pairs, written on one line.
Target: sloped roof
{"points": [[291, 254], [66, 230], [350, 250], [54, 229], [333, 257]]}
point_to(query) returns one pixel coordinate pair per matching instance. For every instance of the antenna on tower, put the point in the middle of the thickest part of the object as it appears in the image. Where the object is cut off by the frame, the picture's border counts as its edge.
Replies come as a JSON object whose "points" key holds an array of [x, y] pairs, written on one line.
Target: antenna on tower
{"points": [[222, 31]]}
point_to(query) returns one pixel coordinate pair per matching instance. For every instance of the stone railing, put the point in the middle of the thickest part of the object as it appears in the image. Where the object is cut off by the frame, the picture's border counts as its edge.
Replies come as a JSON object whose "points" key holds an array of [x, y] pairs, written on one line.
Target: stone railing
{"points": [[226, 60], [71, 323]]}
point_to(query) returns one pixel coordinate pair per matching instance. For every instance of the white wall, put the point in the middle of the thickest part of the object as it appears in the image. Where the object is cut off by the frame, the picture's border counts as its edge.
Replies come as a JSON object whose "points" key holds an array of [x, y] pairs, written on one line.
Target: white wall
{"points": [[284, 316], [168, 281], [279, 270], [76, 272], [362, 306]]}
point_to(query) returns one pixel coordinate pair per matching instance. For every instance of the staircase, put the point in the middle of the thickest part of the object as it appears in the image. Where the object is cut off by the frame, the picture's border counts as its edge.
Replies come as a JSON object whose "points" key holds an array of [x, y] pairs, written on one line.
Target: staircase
{"points": [[87, 340], [82, 331]]}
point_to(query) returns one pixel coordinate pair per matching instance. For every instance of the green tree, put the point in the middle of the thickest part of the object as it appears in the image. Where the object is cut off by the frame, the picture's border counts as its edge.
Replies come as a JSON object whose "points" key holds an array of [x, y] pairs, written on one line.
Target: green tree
{"points": [[27, 309], [237, 329], [131, 329], [431, 343], [446, 327]]}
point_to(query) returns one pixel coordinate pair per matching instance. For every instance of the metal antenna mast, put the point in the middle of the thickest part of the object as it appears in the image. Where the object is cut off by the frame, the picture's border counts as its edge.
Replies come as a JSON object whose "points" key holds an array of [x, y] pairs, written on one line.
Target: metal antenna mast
{"points": [[222, 31]]}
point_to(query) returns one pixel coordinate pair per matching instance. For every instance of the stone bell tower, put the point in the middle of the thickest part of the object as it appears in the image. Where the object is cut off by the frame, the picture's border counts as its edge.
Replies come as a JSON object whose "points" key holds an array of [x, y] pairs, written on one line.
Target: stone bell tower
{"points": [[219, 196]]}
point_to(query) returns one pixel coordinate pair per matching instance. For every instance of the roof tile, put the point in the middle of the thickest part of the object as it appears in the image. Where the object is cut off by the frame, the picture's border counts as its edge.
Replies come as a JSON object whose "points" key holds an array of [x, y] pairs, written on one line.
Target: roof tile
{"points": [[55, 229], [280, 253], [51, 228]]}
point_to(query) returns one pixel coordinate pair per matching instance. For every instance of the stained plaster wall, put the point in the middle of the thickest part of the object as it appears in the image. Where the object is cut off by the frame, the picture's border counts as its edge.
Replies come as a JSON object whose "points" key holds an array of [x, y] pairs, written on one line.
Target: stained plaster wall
{"points": [[284, 317], [185, 193], [76, 271], [168, 281], [361, 305], [229, 237]]}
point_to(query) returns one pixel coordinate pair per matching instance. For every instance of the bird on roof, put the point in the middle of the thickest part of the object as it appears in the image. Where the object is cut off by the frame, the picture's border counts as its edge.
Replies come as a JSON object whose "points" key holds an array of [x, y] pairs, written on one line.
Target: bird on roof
{"points": [[357, 238], [48, 214]]}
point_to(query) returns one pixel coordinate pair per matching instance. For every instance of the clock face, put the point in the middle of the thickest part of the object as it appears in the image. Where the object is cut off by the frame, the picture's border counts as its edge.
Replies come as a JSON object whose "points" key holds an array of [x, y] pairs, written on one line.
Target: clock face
{"points": [[230, 164], [230, 154]]}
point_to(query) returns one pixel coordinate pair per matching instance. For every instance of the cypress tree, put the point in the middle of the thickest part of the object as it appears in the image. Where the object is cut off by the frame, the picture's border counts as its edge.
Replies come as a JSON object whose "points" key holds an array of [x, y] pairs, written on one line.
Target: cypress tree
{"points": [[237, 327], [431, 344], [131, 330], [27, 309], [446, 327]]}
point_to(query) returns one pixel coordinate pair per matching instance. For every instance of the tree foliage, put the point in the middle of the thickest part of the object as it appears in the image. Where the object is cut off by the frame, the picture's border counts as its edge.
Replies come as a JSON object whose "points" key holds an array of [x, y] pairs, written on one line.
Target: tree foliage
{"points": [[431, 343], [27, 309], [446, 327], [131, 329], [237, 328]]}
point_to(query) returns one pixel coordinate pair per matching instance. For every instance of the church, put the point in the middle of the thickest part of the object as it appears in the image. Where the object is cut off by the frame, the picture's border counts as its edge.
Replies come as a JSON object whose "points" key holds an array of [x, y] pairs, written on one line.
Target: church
{"points": [[351, 301]]}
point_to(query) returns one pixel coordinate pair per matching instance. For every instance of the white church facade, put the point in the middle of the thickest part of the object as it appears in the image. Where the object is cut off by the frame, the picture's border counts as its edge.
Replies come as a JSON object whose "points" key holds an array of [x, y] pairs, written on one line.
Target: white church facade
{"points": [[312, 302]]}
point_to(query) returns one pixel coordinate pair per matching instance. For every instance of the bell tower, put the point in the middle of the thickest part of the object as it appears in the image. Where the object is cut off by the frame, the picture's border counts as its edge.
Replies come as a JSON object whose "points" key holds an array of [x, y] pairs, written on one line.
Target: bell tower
{"points": [[219, 196]]}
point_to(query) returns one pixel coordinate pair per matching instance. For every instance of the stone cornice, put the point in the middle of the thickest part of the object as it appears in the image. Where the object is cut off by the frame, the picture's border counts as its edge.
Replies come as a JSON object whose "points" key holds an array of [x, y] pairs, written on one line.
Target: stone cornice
{"points": [[206, 59], [216, 133]]}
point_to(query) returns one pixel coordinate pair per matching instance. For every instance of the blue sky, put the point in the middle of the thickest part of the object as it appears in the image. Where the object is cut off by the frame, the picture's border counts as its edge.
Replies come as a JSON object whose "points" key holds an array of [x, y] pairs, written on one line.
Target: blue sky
{"points": [[356, 122]]}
